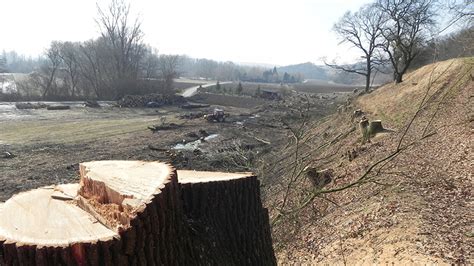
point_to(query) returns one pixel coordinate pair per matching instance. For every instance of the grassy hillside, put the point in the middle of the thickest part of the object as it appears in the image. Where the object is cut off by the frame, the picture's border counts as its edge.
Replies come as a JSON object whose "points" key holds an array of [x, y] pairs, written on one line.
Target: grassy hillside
{"points": [[404, 198], [395, 103]]}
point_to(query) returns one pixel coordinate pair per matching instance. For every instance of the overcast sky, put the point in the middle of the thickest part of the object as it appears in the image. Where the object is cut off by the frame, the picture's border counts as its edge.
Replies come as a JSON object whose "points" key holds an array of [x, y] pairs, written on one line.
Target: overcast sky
{"points": [[247, 31]]}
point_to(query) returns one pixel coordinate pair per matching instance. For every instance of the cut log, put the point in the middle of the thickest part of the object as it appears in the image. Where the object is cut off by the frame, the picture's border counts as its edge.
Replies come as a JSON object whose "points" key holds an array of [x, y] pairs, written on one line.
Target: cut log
{"points": [[375, 127], [131, 213], [58, 107], [194, 105], [227, 222], [22, 106], [92, 104]]}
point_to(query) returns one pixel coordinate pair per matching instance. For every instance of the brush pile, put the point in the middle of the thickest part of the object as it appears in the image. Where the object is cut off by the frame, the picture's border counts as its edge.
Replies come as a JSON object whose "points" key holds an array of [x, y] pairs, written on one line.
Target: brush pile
{"points": [[142, 100]]}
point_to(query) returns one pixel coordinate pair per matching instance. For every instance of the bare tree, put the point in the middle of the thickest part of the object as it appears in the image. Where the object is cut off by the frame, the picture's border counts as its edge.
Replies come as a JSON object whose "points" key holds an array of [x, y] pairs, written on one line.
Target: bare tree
{"points": [[363, 31], [45, 79], [462, 12], [68, 52], [124, 36], [151, 64], [207, 68], [93, 68], [169, 70], [407, 24]]}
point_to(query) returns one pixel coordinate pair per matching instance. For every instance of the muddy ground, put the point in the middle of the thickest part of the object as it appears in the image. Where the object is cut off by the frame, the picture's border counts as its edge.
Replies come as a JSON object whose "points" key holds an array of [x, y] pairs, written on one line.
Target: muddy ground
{"points": [[48, 145]]}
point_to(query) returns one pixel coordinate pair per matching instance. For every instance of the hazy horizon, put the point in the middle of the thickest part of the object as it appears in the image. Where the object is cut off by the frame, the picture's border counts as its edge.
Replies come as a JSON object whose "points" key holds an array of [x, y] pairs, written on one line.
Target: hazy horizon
{"points": [[250, 33]]}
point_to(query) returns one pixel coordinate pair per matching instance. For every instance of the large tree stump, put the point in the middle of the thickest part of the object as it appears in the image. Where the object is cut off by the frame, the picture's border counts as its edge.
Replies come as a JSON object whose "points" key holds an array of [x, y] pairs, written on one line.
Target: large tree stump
{"points": [[121, 213], [227, 222], [131, 213]]}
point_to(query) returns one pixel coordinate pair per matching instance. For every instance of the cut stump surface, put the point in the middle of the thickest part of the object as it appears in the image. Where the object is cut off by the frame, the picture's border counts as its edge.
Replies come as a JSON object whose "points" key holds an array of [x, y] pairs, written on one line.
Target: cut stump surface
{"points": [[35, 218], [189, 176], [136, 213]]}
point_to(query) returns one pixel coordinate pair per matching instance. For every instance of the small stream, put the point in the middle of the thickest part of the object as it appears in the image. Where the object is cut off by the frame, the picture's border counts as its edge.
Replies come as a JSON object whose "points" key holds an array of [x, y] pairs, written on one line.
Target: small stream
{"points": [[194, 145]]}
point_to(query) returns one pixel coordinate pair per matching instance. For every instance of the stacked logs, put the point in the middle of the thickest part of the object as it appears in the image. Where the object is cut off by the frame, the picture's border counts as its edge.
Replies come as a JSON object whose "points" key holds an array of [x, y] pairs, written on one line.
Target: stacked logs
{"points": [[23, 106]]}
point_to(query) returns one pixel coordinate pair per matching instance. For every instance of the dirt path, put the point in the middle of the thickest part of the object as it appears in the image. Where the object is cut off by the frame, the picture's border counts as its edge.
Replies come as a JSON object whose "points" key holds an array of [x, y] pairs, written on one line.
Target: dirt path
{"points": [[189, 92]]}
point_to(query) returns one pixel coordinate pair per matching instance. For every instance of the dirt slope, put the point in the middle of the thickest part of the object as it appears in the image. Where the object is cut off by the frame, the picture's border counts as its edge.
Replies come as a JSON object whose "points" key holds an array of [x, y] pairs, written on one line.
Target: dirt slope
{"points": [[414, 208]]}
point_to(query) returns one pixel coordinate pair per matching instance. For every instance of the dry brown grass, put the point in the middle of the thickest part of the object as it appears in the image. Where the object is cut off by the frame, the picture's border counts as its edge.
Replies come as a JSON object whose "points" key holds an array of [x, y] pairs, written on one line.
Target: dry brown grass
{"points": [[414, 209], [394, 103]]}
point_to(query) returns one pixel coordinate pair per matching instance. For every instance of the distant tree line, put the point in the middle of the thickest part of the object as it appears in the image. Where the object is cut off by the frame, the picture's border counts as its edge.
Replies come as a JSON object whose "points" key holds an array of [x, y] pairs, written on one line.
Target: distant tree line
{"points": [[272, 76], [99, 69], [116, 63], [12, 62], [222, 89], [457, 44], [403, 34], [210, 69]]}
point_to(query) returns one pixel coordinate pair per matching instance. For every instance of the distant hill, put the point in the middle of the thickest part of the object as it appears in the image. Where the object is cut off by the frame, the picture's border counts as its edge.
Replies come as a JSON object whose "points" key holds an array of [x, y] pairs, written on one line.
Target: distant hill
{"points": [[308, 70], [311, 71]]}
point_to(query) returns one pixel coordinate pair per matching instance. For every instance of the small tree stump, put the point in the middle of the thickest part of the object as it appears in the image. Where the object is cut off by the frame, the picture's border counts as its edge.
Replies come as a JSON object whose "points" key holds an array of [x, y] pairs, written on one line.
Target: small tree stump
{"points": [[356, 113], [375, 127], [131, 213], [364, 129]]}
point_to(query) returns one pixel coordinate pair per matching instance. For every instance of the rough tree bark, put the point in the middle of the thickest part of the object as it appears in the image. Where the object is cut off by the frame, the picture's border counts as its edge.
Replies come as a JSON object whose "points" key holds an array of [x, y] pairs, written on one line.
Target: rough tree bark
{"points": [[226, 219], [131, 213]]}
